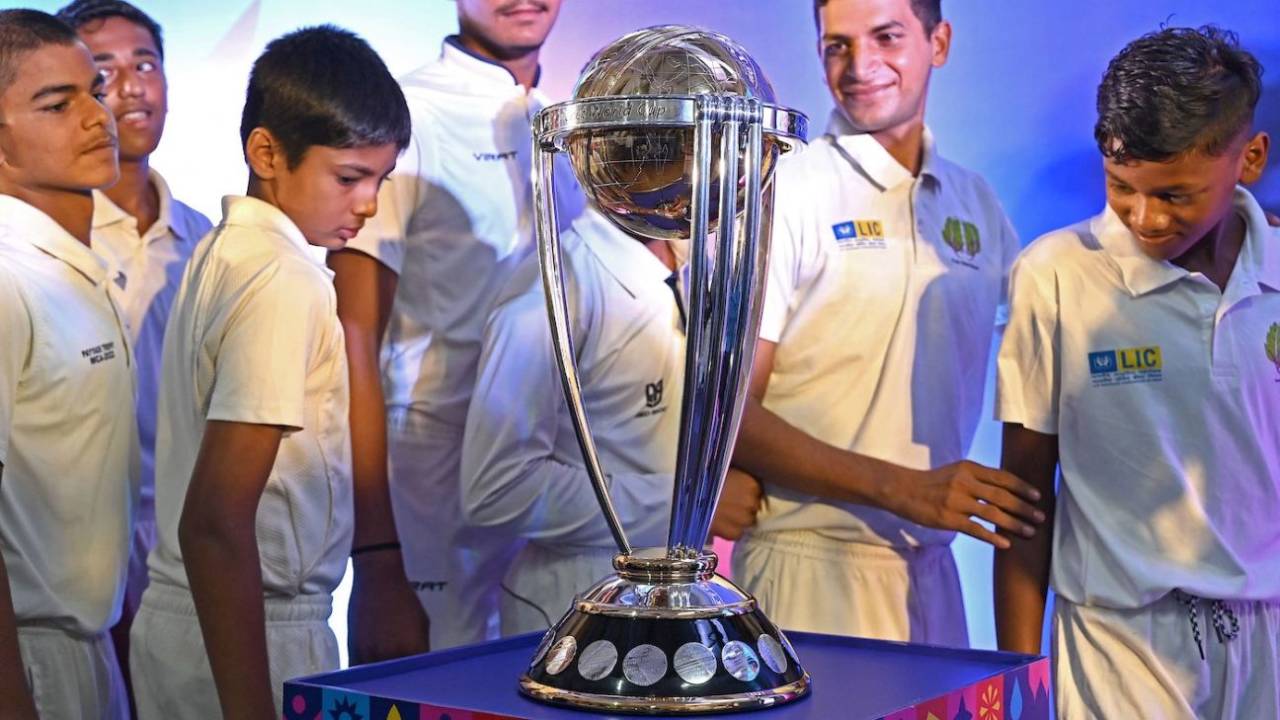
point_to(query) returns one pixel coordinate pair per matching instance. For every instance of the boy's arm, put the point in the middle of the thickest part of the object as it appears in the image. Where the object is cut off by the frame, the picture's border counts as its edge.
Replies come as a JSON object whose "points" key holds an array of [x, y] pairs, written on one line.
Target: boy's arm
{"points": [[220, 550], [1022, 572], [947, 498], [384, 617]]}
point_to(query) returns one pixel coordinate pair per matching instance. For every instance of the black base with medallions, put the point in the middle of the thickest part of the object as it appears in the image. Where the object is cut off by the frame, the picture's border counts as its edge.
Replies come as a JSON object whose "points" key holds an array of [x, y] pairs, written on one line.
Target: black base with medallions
{"points": [[665, 636]]}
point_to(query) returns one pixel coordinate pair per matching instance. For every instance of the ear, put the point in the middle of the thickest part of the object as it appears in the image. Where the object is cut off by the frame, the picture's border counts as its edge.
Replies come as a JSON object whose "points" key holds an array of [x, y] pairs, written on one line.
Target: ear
{"points": [[264, 153], [1254, 158], [941, 40]]}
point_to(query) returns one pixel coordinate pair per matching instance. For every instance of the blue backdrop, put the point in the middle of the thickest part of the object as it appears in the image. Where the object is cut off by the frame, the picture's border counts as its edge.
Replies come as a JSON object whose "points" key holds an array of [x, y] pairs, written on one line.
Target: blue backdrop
{"points": [[1015, 102]]}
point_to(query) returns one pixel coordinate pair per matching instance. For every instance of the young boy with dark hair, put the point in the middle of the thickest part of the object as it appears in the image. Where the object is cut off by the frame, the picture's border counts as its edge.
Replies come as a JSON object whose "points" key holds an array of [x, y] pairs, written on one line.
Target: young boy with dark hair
{"points": [[1142, 360], [253, 471], [67, 438], [143, 232]]}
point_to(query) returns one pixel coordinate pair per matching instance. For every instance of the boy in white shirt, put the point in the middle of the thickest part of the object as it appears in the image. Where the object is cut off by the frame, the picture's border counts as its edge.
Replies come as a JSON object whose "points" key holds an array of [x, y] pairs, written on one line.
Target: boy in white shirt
{"points": [[253, 471], [522, 470], [143, 232], [1142, 360], [414, 290], [68, 444]]}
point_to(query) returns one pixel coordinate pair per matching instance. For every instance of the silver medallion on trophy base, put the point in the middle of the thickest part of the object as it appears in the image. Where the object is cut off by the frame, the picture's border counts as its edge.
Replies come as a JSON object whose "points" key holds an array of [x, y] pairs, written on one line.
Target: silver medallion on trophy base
{"points": [[673, 134]]}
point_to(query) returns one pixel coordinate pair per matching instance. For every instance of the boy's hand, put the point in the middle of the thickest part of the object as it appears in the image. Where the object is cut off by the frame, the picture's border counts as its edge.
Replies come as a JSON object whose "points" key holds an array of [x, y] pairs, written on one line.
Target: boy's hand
{"points": [[384, 618], [949, 497], [740, 500]]}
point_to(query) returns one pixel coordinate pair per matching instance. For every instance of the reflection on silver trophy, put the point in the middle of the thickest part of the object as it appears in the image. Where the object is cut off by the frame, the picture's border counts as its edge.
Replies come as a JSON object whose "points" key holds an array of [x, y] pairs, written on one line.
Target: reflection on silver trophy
{"points": [[673, 135]]}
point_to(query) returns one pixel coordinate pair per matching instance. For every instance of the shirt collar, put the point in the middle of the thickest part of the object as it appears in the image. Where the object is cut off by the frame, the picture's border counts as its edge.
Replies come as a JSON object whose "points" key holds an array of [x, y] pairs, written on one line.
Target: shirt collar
{"points": [[21, 223], [1259, 260], [238, 210], [623, 256], [106, 212], [874, 161], [453, 52]]}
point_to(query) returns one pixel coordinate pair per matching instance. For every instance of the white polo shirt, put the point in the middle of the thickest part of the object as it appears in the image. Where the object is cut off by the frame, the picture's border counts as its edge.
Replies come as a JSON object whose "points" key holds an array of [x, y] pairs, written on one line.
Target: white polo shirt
{"points": [[1164, 393], [882, 296], [254, 338], [145, 270], [454, 220], [522, 468], [68, 441]]}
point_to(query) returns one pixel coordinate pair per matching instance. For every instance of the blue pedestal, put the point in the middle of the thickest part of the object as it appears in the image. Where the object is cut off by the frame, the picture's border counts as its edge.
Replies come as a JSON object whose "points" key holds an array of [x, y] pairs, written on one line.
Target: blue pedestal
{"points": [[853, 678]]}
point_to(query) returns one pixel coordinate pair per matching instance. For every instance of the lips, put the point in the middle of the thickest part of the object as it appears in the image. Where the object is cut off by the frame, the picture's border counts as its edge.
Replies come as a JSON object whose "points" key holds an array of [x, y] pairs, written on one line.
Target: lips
{"points": [[134, 116], [347, 233], [865, 91], [104, 143]]}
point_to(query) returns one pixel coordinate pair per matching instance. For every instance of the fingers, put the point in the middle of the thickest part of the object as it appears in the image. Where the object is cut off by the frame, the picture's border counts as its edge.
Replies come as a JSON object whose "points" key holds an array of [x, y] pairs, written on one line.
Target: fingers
{"points": [[976, 531], [1007, 502], [1000, 518], [1004, 480]]}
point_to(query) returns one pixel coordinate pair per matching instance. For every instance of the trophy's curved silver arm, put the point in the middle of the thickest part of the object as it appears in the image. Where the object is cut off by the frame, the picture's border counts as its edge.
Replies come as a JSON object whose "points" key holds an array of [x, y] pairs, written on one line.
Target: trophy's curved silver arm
{"points": [[692, 414], [550, 261]]}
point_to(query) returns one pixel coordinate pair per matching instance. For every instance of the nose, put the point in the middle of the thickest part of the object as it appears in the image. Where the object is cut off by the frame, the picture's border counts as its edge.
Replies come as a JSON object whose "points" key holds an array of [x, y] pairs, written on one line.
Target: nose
{"points": [[130, 85], [99, 116], [367, 205], [862, 60], [1148, 216]]}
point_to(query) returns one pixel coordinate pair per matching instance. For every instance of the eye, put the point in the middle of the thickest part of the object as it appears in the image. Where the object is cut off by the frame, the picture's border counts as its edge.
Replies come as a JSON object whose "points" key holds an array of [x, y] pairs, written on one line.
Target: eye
{"points": [[146, 66], [1120, 189], [107, 74], [888, 38], [57, 107], [834, 48], [1175, 198], [347, 180]]}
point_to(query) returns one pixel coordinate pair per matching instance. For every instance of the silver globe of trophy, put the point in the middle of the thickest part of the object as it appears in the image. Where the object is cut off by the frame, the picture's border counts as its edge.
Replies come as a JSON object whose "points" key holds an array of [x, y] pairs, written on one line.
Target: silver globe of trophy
{"points": [[673, 135]]}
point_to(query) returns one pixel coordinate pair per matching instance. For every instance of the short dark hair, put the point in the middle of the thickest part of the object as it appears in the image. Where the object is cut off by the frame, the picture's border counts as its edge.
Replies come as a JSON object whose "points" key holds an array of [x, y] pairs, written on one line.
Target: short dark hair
{"points": [[929, 12], [1175, 90], [325, 86], [82, 12], [24, 31]]}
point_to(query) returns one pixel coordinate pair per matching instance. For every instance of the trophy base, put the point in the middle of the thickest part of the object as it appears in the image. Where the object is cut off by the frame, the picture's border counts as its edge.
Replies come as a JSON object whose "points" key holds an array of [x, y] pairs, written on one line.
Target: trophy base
{"points": [[665, 636]]}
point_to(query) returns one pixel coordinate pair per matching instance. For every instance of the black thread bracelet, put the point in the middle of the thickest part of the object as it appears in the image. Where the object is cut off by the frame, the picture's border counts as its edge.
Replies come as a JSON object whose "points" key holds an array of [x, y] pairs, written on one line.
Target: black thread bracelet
{"points": [[375, 548]]}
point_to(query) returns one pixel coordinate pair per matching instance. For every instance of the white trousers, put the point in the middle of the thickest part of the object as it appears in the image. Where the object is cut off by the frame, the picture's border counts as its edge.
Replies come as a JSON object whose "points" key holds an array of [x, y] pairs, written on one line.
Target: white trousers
{"points": [[1145, 662], [805, 581], [456, 572], [71, 677], [170, 668], [544, 580]]}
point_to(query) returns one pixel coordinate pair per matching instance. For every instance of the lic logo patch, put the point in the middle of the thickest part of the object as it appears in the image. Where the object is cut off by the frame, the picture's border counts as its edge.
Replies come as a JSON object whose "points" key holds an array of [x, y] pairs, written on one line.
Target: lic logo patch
{"points": [[1273, 347], [964, 239], [859, 235], [1126, 366]]}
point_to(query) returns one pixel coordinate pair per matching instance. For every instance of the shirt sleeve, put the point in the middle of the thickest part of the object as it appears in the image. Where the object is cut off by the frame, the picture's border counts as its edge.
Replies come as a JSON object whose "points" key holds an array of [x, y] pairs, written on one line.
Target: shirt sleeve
{"points": [[785, 252], [511, 477], [383, 236], [1028, 368], [15, 352], [261, 360]]}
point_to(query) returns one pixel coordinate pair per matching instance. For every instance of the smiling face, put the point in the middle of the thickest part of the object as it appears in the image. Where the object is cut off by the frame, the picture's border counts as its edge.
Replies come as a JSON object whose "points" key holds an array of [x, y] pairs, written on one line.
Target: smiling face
{"points": [[55, 133], [1170, 206], [136, 90], [508, 28], [329, 193], [878, 58]]}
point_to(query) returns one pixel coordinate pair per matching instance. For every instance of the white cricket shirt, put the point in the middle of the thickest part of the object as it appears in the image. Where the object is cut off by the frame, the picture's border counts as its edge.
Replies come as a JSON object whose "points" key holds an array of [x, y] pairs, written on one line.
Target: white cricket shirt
{"points": [[254, 337], [68, 441], [522, 469], [1164, 393], [882, 297], [144, 271], [454, 220]]}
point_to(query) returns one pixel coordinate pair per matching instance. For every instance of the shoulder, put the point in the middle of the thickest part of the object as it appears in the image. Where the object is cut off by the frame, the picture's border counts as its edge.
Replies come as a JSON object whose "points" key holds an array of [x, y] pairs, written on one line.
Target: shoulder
{"points": [[246, 260], [13, 298], [1060, 249]]}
